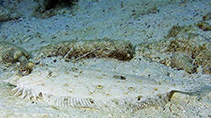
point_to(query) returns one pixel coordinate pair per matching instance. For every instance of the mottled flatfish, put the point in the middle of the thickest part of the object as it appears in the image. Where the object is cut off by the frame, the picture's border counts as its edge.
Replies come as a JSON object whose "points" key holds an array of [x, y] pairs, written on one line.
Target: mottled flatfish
{"points": [[96, 83]]}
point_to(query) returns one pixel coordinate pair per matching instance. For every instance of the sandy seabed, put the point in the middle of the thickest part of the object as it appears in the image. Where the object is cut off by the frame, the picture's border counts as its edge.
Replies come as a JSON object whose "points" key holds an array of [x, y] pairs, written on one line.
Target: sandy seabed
{"points": [[127, 20]]}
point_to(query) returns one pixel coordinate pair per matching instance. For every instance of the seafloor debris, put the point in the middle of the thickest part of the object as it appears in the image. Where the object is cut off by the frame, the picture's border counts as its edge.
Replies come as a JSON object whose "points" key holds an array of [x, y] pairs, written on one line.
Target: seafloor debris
{"points": [[48, 8], [205, 26], [176, 30], [10, 53], [188, 52], [76, 50], [7, 14], [207, 16], [182, 62]]}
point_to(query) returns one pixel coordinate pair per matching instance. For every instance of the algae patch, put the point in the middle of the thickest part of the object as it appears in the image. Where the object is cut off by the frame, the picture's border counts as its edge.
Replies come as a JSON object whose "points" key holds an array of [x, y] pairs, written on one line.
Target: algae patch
{"points": [[76, 50]]}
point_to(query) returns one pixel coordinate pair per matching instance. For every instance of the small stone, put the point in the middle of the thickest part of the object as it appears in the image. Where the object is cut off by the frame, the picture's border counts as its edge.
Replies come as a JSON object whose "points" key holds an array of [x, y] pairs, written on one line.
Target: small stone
{"points": [[119, 77]]}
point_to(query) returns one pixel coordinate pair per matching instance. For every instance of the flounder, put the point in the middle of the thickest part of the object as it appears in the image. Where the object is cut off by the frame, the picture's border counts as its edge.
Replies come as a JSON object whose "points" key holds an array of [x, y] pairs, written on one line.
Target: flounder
{"points": [[92, 84]]}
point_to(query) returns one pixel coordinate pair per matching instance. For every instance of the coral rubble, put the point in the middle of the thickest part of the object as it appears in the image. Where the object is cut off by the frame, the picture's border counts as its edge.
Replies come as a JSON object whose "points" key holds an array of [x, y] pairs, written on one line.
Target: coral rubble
{"points": [[10, 53], [183, 51]]}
